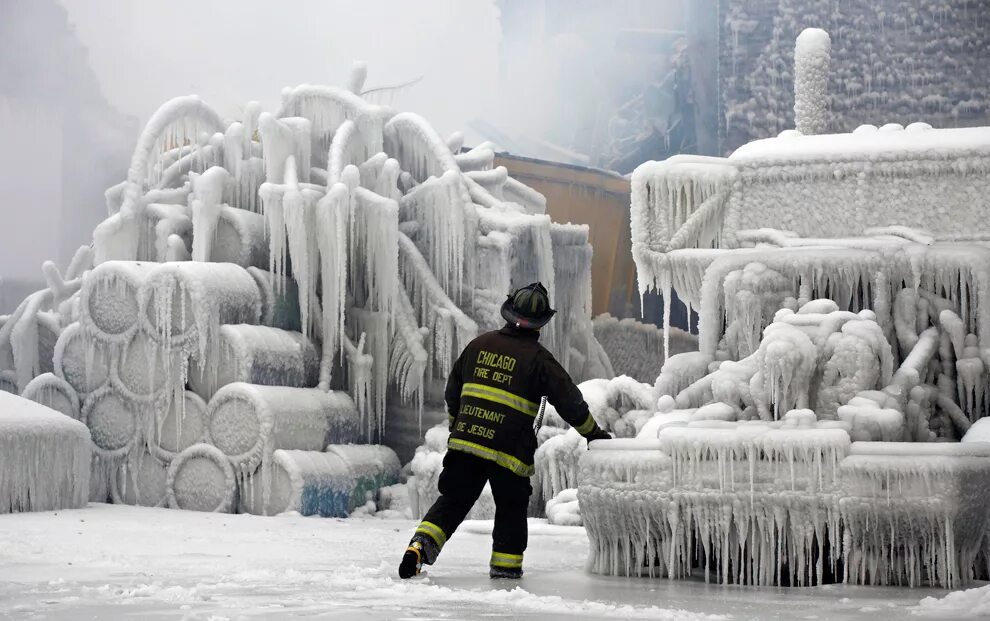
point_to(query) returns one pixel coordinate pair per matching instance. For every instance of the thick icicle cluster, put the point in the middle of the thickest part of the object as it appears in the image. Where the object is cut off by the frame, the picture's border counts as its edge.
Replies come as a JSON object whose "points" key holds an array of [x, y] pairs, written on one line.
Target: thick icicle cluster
{"points": [[784, 503]]}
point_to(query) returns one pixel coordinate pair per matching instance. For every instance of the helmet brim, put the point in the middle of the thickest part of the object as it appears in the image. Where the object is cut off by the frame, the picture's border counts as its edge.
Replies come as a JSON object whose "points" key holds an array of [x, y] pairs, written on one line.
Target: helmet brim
{"points": [[522, 321]]}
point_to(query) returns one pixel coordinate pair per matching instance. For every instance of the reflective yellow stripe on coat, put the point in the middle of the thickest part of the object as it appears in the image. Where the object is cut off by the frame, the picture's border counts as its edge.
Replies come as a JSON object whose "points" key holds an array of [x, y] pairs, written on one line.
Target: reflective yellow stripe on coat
{"points": [[503, 397]]}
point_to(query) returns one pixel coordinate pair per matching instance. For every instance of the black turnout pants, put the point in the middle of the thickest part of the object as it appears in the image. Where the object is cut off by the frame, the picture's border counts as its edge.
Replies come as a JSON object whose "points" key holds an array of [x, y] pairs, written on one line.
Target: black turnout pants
{"points": [[461, 482]]}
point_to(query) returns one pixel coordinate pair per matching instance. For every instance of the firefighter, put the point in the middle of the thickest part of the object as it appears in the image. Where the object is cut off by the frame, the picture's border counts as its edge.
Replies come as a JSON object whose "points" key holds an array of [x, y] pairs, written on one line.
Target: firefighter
{"points": [[493, 398]]}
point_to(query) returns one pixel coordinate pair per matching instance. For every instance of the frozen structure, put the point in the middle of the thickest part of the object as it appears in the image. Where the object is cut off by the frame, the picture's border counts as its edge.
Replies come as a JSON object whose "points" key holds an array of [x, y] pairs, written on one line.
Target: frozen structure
{"points": [[266, 292], [843, 351], [894, 60]]}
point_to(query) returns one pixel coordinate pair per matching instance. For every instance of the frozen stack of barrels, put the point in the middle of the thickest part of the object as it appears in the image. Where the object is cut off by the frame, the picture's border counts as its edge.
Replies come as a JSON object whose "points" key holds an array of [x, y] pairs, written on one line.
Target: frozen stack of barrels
{"points": [[196, 400]]}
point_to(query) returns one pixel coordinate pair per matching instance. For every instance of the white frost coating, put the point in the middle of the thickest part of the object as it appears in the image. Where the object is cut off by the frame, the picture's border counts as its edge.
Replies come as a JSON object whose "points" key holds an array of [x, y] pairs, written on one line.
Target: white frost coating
{"points": [[635, 348], [248, 422], [54, 392], [564, 509], [812, 52], [146, 371], [80, 360], [241, 238], [256, 355], [201, 479], [140, 480], [44, 458], [115, 424], [110, 303], [176, 426], [188, 301]]}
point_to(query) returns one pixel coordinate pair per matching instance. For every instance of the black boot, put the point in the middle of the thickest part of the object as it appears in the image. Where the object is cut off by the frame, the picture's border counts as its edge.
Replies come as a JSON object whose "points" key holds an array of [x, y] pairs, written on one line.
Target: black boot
{"points": [[505, 572], [412, 561]]}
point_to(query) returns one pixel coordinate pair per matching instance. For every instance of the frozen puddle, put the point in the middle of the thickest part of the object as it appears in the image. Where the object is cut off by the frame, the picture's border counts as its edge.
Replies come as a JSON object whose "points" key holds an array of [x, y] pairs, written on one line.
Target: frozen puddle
{"points": [[110, 561]]}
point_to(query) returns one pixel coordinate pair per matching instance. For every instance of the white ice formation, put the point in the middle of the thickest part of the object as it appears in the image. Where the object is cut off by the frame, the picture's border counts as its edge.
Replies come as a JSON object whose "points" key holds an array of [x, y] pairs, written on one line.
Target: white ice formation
{"points": [[842, 287], [281, 282], [811, 57], [44, 458]]}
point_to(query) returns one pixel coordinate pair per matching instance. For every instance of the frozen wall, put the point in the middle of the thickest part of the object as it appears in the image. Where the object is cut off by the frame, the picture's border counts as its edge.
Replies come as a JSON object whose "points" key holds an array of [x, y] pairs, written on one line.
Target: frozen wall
{"points": [[897, 61]]}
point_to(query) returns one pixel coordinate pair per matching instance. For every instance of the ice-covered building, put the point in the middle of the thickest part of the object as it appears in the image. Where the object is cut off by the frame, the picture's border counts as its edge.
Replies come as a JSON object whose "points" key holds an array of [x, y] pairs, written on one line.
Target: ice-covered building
{"points": [[841, 282], [267, 290]]}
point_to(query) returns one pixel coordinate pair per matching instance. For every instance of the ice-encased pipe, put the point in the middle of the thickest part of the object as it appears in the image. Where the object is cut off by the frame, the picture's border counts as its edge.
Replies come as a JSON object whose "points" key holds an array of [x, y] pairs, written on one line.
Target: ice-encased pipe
{"points": [[249, 422], [44, 458], [177, 427], [812, 52], [109, 306], [53, 392], [256, 355], [81, 360], [140, 480], [328, 484], [201, 478]]}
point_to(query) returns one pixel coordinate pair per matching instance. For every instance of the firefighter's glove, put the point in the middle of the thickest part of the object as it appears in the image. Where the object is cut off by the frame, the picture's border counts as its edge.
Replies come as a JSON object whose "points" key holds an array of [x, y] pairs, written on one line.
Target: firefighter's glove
{"points": [[598, 434]]}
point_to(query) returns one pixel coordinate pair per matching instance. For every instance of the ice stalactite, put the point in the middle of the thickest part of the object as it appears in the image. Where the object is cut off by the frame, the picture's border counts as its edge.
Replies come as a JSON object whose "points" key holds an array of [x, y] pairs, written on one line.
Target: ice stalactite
{"points": [[332, 222], [448, 222], [450, 328], [408, 358]]}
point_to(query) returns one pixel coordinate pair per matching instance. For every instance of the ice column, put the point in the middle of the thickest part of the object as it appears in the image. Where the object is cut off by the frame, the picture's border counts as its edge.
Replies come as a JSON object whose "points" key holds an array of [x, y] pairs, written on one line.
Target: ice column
{"points": [[811, 59]]}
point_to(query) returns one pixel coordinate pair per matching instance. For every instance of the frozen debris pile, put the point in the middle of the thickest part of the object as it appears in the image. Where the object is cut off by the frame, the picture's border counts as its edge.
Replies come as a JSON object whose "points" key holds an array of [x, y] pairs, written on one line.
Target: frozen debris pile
{"points": [[843, 351], [44, 458], [279, 282]]}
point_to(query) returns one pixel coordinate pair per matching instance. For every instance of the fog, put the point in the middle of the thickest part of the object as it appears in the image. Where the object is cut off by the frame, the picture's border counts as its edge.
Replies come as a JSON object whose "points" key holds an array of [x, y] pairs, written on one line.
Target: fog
{"points": [[232, 52], [79, 79]]}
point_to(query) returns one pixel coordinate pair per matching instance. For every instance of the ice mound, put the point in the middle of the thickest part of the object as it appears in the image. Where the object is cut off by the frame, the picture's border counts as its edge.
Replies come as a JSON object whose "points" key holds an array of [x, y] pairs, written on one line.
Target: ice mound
{"points": [[44, 458]]}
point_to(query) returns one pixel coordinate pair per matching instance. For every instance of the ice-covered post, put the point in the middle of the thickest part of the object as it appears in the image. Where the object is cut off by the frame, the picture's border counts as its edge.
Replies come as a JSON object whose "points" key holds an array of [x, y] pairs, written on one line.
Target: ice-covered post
{"points": [[811, 58]]}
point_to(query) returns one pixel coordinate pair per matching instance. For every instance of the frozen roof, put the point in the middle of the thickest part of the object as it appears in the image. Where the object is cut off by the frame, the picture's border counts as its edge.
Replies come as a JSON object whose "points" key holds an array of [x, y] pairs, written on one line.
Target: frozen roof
{"points": [[866, 140]]}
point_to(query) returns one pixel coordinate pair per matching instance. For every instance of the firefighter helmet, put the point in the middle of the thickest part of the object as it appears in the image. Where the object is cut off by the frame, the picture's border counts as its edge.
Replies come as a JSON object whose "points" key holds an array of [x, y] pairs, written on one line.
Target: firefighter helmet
{"points": [[528, 307]]}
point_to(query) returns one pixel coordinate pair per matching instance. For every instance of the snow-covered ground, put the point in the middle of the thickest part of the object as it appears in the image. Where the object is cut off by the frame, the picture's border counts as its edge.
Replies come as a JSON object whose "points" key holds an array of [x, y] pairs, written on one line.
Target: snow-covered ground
{"points": [[111, 561]]}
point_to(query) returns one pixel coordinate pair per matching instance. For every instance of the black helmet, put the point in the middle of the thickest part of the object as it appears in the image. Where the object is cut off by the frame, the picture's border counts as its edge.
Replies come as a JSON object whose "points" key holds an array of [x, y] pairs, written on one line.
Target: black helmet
{"points": [[528, 307]]}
